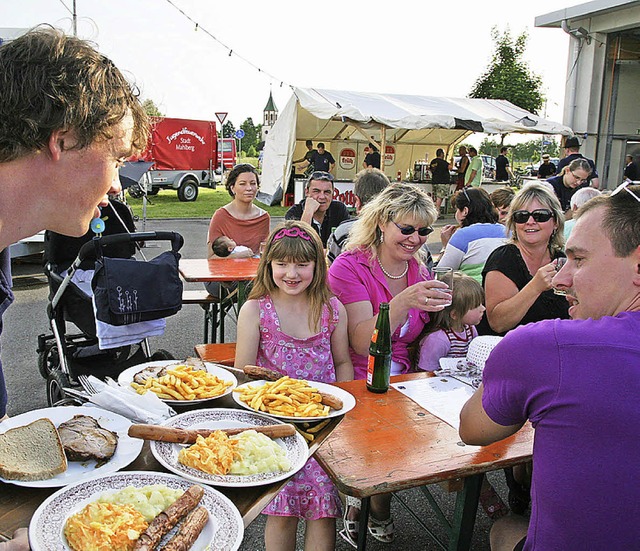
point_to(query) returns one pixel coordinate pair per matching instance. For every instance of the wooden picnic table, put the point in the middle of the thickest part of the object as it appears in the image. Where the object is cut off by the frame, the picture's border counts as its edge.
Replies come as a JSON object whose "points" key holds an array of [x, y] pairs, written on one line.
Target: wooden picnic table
{"points": [[221, 270], [18, 503], [388, 443]]}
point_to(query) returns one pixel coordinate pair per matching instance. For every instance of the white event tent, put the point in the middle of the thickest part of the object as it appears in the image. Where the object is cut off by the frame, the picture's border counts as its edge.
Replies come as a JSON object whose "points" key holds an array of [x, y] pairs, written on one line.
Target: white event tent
{"points": [[405, 127]]}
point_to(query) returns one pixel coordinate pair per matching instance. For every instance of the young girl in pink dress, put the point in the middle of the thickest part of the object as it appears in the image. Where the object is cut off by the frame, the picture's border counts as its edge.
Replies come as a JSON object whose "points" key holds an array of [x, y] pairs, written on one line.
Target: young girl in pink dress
{"points": [[450, 331], [292, 324]]}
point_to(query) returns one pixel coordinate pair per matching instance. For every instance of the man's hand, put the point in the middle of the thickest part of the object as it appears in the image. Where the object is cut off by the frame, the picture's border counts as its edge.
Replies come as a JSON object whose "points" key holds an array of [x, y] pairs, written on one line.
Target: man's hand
{"points": [[20, 541], [310, 208]]}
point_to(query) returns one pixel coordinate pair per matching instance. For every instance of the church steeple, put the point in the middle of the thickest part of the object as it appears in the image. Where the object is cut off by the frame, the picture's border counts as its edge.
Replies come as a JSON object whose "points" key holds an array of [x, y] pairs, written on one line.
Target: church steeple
{"points": [[270, 112], [270, 116]]}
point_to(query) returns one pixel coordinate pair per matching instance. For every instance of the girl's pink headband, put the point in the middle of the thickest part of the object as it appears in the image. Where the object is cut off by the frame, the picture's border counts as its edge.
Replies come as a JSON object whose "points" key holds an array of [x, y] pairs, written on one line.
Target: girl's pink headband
{"points": [[292, 232]]}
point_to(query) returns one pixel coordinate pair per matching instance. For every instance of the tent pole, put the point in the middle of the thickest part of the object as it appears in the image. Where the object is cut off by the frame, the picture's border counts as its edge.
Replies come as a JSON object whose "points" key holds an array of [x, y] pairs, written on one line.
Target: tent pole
{"points": [[383, 145]]}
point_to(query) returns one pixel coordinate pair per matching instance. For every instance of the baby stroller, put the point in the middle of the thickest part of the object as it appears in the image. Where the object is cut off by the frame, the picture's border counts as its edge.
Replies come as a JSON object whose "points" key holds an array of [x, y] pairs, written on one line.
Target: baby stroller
{"points": [[65, 354]]}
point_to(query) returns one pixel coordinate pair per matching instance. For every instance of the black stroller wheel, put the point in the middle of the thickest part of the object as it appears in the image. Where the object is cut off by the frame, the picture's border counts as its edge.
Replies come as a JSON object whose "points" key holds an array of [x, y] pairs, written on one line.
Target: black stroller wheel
{"points": [[161, 354], [56, 396], [48, 360]]}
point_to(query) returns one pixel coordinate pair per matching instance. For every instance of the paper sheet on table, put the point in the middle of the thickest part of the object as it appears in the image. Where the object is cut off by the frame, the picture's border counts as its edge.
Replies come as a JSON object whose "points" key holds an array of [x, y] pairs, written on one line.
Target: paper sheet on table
{"points": [[441, 396]]}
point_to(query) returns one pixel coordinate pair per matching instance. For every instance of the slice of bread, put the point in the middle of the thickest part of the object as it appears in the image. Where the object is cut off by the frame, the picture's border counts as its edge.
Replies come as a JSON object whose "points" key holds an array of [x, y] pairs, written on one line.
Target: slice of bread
{"points": [[32, 452]]}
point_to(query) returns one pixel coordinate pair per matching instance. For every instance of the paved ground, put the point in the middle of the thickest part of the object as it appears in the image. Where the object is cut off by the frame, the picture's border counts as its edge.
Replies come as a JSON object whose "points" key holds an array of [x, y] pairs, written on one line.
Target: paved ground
{"points": [[26, 319]]}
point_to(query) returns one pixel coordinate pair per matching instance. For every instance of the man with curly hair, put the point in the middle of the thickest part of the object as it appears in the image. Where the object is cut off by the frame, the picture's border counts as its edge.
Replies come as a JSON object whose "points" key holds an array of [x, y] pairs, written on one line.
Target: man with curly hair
{"points": [[68, 118]]}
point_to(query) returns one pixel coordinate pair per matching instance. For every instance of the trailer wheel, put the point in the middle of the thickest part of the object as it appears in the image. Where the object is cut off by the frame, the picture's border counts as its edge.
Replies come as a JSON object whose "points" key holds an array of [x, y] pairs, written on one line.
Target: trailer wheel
{"points": [[153, 191], [135, 191], [188, 190]]}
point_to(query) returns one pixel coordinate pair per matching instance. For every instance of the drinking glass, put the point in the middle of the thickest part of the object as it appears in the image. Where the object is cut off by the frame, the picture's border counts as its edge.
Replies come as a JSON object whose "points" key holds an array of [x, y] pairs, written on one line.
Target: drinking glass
{"points": [[559, 263], [444, 274]]}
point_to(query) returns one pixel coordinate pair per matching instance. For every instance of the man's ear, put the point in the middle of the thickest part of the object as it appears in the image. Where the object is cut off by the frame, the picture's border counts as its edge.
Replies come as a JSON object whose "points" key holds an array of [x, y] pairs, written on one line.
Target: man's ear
{"points": [[636, 258], [59, 141], [357, 203]]}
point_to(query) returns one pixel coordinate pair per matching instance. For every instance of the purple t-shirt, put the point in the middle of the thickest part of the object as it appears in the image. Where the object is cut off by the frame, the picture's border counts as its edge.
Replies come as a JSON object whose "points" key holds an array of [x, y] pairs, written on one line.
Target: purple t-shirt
{"points": [[578, 382], [353, 277]]}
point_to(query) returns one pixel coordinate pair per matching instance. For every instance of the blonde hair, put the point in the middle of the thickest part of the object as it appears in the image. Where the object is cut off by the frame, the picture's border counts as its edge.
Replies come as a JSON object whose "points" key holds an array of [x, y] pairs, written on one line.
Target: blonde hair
{"points": [[526, 195], [467, 295], [298, 249], [396, 201]]}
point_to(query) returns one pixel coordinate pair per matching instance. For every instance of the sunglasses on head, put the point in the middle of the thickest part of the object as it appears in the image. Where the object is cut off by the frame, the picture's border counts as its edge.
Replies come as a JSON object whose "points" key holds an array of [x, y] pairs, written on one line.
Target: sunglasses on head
{"points": [[410, 230], [539, 215], [625, 186], [321, 175]]}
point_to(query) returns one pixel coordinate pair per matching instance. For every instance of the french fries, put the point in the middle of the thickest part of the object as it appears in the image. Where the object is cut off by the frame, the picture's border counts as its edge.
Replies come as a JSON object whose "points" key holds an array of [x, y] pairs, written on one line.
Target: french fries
{"points": [[183, 382], [286, 396]]}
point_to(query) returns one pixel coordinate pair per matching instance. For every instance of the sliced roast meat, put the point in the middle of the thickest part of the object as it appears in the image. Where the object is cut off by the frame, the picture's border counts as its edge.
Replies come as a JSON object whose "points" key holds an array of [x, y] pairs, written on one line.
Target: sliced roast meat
{"points": [[84, 439]]}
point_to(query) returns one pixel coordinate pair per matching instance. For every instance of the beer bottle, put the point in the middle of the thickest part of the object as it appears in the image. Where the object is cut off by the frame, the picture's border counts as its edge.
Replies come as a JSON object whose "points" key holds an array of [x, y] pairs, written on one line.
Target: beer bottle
{"points": [[379, 364]]}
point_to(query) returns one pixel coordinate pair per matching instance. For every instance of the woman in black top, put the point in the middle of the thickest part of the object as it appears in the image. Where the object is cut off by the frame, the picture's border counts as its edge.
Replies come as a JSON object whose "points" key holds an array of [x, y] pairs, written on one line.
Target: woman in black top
{"points": [[517, 276]]}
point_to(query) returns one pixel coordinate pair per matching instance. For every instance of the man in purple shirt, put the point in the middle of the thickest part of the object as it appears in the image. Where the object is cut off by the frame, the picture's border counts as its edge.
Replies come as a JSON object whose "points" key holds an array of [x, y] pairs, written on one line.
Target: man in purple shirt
{"points": [[578, 382]]}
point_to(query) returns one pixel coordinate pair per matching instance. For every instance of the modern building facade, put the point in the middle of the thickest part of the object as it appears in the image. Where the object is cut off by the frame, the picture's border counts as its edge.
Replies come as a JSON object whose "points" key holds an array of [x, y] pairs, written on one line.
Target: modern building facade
{"points": [[603, 79]]}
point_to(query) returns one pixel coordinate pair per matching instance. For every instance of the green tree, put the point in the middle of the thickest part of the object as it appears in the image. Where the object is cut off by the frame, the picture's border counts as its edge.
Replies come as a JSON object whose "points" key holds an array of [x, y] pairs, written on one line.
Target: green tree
{"points": [[489, 147], [151, 108], [251, 134], [508, 75], [228, 130]]}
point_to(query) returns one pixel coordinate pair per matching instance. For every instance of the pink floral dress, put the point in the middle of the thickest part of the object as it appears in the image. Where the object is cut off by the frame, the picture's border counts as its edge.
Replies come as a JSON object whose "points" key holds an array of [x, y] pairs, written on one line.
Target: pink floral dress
{"points": [[309, 494]]}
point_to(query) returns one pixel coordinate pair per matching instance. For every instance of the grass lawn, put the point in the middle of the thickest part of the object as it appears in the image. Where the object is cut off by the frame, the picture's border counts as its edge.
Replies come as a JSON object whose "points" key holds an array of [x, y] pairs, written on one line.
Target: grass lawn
{"points": [[167, 205]]}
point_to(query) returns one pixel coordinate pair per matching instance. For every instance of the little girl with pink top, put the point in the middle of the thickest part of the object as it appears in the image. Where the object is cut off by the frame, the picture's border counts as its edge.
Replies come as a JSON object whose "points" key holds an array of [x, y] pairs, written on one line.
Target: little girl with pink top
{"points": [[293, 325]]}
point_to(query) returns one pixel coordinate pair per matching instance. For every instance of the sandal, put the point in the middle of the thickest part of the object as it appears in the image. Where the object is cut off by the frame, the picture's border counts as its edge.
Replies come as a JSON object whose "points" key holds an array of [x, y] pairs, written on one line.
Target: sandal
{"points": [[350, 531], [492, 503], [382, 530]]}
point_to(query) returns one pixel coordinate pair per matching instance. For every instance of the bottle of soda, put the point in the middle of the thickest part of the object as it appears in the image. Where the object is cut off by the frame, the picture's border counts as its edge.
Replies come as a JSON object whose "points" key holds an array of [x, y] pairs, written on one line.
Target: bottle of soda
{"points": [[379, 365]]}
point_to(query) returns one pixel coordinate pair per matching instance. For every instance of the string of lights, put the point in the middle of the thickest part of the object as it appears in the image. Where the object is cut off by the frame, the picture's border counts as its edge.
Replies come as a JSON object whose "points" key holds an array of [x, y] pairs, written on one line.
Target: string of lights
{"points": [[199, 27]]}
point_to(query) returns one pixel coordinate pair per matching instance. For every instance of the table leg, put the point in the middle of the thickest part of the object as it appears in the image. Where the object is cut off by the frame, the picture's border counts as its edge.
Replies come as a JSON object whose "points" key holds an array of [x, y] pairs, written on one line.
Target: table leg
{"points": [[465, 514], [222, 294], [363, 521], [242, 293]]}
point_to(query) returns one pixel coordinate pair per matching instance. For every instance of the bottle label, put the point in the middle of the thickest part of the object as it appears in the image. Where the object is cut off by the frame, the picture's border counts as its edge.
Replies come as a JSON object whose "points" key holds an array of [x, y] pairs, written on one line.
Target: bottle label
{"points": [[370, 364], [374, 337]]}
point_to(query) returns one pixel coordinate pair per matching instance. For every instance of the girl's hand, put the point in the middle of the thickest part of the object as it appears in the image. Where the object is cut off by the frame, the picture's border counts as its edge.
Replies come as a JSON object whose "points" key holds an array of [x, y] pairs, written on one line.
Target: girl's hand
{"points": [[430, 296], [542, 279]]}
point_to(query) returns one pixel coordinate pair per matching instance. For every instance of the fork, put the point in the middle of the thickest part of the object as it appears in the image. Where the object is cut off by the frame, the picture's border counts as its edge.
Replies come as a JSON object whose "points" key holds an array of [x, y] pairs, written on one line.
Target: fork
{"points": [[86, 384]]}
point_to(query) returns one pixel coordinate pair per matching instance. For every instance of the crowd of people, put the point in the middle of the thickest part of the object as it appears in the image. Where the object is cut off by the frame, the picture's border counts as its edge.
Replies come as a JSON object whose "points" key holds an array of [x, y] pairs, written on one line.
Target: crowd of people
{"points": [[567, 311]]}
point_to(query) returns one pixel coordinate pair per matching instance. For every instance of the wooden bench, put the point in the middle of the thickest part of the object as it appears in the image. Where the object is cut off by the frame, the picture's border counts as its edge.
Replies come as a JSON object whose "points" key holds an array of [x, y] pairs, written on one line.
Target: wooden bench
{"points": [[221, 353], [210, 304]]}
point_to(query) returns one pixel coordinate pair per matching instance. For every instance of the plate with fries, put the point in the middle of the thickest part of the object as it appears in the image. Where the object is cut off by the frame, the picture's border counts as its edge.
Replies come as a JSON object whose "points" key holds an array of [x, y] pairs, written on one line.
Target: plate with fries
{"points": [[294, 399], [295, 447], [224, 529], [180, 384]]}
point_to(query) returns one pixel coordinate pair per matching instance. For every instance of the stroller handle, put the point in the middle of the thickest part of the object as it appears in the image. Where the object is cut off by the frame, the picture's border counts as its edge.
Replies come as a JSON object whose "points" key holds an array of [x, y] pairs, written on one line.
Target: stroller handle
{"points": [[89, 249]]}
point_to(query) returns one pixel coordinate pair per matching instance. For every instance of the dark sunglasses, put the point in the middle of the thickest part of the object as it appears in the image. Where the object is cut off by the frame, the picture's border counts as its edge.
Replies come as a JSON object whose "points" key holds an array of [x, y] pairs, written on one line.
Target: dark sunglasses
{"points": [[320, 175], [539, 215], [410, 230]]}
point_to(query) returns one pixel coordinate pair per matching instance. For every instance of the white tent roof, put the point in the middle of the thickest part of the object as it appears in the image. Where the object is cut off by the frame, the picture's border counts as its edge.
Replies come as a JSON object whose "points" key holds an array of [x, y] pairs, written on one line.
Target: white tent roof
{"points": [[332, 115]]}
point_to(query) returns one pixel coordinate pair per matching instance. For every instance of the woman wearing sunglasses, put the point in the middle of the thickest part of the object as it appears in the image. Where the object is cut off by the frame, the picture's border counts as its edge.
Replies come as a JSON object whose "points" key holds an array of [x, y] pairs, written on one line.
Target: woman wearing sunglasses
{"points": [[517, 276], [477, 235], [380, 263]]}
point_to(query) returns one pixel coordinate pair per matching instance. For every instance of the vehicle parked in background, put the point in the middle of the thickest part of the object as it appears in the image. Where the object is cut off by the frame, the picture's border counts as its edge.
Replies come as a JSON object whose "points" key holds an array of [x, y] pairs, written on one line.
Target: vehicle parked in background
{"points": [[532, 170], [185, 154], [489, 170]]}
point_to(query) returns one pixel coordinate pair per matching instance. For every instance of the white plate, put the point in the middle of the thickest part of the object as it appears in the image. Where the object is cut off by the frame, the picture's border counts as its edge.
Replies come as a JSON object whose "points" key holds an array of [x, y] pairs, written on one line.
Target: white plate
{"points": [[223, 531], [348, 401], [126, 378], [167, 454], [127, 450]]}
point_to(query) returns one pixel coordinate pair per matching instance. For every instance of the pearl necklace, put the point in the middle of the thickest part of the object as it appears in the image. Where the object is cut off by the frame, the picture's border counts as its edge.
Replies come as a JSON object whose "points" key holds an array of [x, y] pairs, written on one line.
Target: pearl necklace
{"points": [[404, 272]]}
